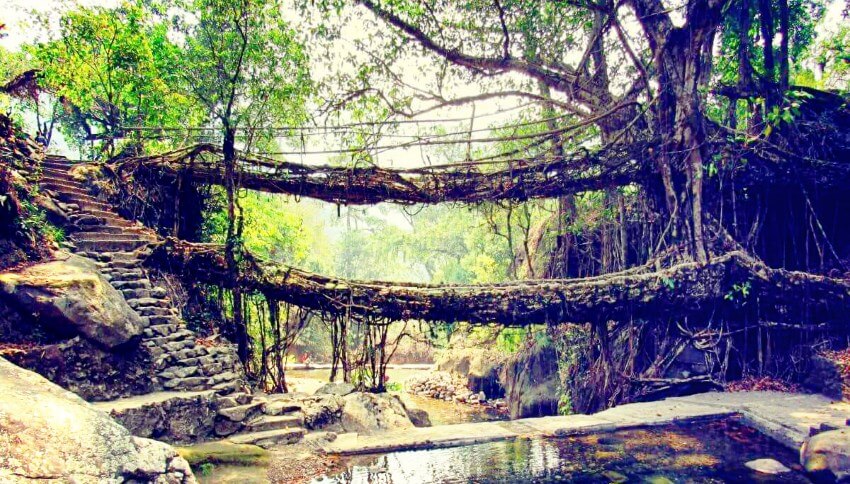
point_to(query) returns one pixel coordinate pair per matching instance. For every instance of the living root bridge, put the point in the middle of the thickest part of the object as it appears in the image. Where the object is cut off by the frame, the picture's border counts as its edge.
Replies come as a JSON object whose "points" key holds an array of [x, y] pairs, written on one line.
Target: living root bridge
{"points": [[728, 284], [470, 182]]}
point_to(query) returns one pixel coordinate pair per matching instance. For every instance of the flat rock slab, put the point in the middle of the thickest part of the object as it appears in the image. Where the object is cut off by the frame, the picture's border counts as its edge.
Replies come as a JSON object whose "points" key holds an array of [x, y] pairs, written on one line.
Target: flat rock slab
{"points": [[785, 417]]}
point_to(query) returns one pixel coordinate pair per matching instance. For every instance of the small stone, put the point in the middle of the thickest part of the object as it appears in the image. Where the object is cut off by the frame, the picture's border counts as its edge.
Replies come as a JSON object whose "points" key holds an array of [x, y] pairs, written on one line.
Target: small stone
{"points": [[767, 466], [614, 476], [226, 376], [334, 388]]}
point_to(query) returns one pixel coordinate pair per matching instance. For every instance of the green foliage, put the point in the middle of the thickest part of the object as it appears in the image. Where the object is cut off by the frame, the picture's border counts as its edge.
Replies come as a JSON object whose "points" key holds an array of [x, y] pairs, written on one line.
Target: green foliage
{"points": [[243, 63], [833, 59], [274, 227], [510, 340], [739, 293], [34, 219], [572, 343], [116, 67], [206, 468]]}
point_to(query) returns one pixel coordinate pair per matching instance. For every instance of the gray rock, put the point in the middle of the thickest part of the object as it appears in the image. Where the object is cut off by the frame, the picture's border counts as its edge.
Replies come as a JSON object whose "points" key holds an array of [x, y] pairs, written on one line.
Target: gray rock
{"points": [[58, 436], [419, 417], [335, 388], [279, 407], [224, 427], [370, 412], [183, 419], [91, 371], [71, 296], [767, 466], [824, 376], [531, 382], [242, 412], [480, 367], [322, 411], [828, 454]]}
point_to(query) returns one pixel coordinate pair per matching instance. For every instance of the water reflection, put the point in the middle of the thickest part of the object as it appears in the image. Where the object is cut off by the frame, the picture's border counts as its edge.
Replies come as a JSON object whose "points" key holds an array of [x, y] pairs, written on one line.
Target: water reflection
{"points": [[709, 452]]}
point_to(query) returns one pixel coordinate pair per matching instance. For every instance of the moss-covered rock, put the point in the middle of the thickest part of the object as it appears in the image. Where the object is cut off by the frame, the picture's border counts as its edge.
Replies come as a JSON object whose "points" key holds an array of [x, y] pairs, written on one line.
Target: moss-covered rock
{"points": [[224, 453]]}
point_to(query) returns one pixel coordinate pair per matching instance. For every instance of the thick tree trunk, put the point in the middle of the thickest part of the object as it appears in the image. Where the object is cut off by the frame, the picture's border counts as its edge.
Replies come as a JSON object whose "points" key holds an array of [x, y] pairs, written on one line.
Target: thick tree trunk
{"points": [[232, 244]]}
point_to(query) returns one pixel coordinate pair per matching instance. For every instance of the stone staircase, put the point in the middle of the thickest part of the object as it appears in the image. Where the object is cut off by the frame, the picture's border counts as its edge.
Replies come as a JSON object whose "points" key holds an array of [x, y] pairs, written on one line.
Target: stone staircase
{"points": [[118, 246], [263, 420], [183, 418]]}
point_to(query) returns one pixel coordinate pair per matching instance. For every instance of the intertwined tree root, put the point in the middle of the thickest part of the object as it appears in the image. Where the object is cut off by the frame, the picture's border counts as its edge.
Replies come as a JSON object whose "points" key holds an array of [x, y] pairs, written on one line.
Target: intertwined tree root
{"points": [[728, 283], [516, 179]]}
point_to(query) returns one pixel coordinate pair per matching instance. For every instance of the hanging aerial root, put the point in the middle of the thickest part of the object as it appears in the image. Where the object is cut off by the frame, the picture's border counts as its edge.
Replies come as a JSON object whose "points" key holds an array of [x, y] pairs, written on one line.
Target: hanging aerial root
{"points": [[728, 284], [475, 181]]}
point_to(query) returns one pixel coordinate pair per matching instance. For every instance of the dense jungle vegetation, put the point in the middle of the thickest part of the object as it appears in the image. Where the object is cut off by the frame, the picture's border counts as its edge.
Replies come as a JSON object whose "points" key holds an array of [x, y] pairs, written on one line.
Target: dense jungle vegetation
{"points": [[571, 174]]}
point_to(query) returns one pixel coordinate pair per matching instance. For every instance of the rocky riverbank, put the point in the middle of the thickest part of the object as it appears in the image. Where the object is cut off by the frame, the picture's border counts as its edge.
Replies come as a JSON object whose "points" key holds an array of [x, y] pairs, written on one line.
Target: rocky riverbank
{"points": [[449, 387], [52, 434]]}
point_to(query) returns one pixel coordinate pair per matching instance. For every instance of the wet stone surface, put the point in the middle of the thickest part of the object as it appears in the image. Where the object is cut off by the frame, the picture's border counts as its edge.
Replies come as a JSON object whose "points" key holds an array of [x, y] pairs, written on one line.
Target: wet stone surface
{"points": [[714, 451]]}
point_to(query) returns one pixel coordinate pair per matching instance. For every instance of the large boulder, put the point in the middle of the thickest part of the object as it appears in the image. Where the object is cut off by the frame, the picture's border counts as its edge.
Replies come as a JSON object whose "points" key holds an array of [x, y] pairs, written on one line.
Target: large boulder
{"points": [[828, 454], [71, 296], [532, 383], [49, 433], [373, 412], [480, 366]]}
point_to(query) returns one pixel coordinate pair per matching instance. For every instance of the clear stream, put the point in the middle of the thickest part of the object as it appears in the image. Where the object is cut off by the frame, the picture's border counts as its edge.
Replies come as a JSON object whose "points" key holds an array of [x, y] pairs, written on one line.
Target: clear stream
{"points": [[707, 452]]}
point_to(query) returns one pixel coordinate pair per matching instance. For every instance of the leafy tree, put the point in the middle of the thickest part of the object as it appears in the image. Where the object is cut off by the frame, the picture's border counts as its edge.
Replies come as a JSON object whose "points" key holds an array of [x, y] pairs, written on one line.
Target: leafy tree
{"points": [[112, 68], [241, 61]]}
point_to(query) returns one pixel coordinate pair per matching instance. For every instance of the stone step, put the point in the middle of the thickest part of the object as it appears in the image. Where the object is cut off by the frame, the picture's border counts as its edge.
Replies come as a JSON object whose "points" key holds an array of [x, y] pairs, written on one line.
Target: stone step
{"points": [[86, 222], [127, 263], [96, 216], [147, 302], [281, 407], [62, 180], [84, 200], [107, 215], [189, 383], [126, 236], [131, 282], [168, 319], [163, 329], [241, 413], [226, 387], [274, 422], [270, 438], [57, 164], [134, 271], [136, 294], [106, 227], [55, 172], [156, 311], [126, 284], [180, 372], [178, 336], [65, 187], [110, 245], [160, 330]]}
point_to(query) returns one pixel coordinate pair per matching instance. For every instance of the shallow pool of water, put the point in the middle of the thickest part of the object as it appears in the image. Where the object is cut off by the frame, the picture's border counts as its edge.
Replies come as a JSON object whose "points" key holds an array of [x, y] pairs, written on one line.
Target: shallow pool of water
{"points": [[707, 452]]}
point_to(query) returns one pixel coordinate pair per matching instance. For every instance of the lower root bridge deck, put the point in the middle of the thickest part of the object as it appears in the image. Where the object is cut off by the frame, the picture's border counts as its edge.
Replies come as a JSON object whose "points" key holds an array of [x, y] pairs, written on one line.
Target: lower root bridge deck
{"points": [[730, 283]]}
